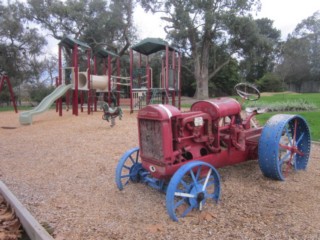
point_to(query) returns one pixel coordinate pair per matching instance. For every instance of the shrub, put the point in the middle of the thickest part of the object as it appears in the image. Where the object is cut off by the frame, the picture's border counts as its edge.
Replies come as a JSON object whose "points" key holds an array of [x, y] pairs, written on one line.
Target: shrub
{"points": [[270, 82], [40, 91], [297, 105]]}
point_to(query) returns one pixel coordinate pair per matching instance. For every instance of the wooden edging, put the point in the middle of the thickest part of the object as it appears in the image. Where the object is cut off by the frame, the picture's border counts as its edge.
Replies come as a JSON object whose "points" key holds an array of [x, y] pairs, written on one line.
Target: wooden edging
{"points": [[34, 230]]}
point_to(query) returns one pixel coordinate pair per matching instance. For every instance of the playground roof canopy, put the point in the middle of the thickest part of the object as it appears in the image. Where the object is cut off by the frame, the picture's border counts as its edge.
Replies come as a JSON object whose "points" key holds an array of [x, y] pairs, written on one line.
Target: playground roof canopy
{"points": [[70, 42], [102, 53], [151, 45]]}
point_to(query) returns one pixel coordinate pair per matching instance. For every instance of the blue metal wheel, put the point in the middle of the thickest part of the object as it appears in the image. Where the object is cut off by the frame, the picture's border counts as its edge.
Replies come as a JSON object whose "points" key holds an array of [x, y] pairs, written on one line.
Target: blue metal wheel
{"points": [[190, 188], [284, 146], [128, 168]]}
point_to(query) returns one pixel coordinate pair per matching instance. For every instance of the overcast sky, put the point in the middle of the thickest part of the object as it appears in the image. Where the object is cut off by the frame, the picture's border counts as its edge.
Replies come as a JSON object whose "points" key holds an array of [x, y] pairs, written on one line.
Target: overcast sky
{"points": [[285, 13]]}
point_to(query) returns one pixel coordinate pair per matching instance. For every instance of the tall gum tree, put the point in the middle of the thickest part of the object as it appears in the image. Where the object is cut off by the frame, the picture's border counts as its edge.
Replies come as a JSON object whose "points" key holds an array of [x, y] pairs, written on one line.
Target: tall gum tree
{"points": [[300, 62], [198, 27], [20, 43], [99, 23], [309, 29]]}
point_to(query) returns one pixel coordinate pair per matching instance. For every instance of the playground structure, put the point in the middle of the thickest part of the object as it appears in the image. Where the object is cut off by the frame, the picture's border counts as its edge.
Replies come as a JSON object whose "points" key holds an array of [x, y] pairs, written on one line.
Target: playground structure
{"points": [[4, 78], [104, 84], [138, 88], [79, 75], [145, 89], [180, 151]]}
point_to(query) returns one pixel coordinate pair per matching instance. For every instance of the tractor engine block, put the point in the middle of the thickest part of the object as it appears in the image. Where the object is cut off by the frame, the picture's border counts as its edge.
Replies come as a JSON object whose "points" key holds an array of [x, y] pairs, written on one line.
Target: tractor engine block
{"points": [[169, 137]]}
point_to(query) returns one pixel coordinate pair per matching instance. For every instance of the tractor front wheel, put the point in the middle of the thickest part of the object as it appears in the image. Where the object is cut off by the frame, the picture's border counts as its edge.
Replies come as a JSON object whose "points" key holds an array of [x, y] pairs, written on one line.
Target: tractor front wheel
{"points": [[284, 146], [128, 168], [190, 187]]}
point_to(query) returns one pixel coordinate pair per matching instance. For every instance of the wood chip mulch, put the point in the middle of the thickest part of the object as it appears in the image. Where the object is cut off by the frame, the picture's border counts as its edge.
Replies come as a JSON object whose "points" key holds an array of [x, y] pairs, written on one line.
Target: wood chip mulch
{"points": [[62, 169]]}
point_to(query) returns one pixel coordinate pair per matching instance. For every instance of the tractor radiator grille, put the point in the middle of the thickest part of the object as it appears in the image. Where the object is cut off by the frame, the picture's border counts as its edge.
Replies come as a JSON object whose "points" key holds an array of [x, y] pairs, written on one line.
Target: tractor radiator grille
{"points": [[151, 139]]}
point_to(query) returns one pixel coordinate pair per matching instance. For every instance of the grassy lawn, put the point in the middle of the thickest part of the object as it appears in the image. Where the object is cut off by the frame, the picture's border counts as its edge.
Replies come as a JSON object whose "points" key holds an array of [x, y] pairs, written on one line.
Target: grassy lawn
{"points": [[288, 97], [312, 117], [11, 108]]}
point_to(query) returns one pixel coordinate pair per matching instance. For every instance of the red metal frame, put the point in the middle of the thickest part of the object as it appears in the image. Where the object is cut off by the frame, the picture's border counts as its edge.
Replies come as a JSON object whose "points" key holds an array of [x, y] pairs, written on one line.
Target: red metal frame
{"points": [[131, 79], [167, 74], [148, 80], [75, 101], [76, 92], [179, 79], [118, 81], [172, 57], [109, 67], [174, 78], [59, 82], [109, 79], [89, 80], [5, 78], [169, 138]]}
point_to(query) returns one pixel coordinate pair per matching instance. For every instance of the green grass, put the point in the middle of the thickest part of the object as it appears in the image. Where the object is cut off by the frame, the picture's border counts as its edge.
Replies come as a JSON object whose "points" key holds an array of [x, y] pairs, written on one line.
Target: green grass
{"points": [[312, 118], [11, 108], [288, 102], [281, 97], [294, 101], [284, 106]]}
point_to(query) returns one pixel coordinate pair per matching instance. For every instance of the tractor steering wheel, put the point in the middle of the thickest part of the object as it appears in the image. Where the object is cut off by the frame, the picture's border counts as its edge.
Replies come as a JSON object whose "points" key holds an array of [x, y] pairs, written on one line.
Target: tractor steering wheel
{"points": [[247, 91]]}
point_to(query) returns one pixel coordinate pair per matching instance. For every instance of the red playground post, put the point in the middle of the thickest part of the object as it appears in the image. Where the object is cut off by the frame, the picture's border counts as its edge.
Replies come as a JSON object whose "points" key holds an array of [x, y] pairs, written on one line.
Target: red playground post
{"points": [[4, 77]]}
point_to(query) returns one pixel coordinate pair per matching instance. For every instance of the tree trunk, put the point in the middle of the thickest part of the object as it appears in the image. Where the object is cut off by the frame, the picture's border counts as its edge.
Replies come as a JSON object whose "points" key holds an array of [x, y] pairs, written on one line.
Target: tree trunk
{"points": [[201, 70], [201, 74]]}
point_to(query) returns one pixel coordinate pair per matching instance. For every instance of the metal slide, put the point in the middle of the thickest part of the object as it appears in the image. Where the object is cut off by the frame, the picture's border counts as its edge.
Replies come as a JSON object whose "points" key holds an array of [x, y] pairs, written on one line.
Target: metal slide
{"points": [[44, 105]]}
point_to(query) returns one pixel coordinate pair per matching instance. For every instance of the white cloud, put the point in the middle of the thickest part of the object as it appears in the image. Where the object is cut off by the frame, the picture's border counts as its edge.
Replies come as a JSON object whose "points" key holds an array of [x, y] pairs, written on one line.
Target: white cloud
{"points": [[288, 13], [148, 24]]}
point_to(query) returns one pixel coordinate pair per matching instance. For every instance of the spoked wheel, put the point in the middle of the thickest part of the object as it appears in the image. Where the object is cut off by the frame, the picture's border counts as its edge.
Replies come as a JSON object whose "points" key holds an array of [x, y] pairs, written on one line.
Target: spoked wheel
{"points": [[190, 188], [128, 168], [247, 91], [284, 146]]}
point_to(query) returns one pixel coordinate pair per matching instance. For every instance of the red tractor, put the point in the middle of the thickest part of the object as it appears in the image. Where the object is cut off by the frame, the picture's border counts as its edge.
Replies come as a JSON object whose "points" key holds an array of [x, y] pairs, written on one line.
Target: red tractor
{"points": [[180, 151]]}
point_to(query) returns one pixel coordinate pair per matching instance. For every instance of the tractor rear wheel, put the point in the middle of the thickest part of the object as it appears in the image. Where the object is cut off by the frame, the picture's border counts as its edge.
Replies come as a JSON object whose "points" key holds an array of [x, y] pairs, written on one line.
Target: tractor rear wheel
{"points": [[190, 187], [128, 168], [284, 146]]}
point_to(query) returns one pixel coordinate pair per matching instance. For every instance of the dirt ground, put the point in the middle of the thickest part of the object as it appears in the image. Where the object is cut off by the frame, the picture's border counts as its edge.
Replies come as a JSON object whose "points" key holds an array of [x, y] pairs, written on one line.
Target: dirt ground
{"points": [[63, 170]]}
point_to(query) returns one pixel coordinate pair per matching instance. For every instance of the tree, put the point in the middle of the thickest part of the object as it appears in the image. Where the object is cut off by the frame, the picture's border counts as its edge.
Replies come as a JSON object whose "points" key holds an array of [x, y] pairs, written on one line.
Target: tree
{"points": [[19, 43], [270, 82], [295, 66], [301, 53], [201, 27], [225, 80], [39, 91], [309, 29], [261, 49], [50, 64], [99, 23]]}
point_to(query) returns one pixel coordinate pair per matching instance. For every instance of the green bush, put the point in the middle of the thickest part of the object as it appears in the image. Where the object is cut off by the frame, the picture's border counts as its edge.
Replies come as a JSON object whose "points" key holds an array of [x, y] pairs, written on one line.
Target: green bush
{"points": [[40, 91], [270, 82], [5, 97]]}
